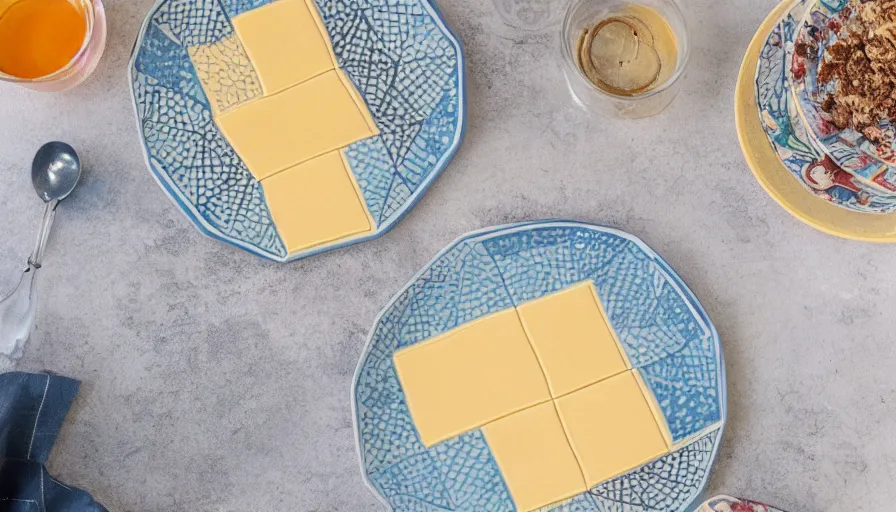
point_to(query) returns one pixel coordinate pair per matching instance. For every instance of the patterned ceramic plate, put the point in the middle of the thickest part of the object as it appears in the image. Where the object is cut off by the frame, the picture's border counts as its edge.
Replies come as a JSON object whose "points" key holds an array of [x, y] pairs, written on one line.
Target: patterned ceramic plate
{"points": [[659, 326], [762, 117], [786, 131], [292, 127], [869, 163], [729, 504]]}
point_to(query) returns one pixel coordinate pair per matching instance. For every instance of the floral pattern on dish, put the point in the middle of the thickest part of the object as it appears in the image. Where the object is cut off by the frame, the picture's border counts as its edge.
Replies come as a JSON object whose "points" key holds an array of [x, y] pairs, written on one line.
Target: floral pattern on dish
{"points": [[729, 504], [870, 163], [781, 121]]}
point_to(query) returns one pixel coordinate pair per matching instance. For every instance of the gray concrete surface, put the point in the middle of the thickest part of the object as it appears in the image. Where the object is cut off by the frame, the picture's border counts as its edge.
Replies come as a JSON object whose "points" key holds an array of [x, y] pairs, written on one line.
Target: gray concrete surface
{"points": [[215, 381]]}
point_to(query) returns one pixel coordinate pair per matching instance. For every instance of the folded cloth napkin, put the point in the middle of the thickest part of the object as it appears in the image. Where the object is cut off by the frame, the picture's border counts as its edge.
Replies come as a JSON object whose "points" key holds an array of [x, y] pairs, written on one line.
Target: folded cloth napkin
{"points": [[32, 409]]}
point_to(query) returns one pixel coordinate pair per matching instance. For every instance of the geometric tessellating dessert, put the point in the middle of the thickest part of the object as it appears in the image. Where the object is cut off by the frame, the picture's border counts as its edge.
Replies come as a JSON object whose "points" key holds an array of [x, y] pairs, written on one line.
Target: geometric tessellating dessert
{"points": [[291, 136], [290, 127], [537, 379], [541, 366]]}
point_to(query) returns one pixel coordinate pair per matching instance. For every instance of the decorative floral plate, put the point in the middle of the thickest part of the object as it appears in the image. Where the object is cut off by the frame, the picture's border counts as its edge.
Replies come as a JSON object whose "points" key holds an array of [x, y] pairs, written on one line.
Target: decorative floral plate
{"points": [[292, 127], [787, 133], [729, 504], [779, 155], [869, 163], [660, 326]]}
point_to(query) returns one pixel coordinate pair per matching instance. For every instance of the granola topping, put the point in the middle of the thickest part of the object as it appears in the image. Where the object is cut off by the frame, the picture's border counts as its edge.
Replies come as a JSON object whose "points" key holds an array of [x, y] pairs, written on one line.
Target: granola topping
{"points": [[862, 64]]}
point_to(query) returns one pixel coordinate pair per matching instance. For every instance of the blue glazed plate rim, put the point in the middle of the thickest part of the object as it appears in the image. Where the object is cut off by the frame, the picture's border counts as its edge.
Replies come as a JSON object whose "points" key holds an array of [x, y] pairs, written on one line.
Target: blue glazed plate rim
{"points": [[676, 280], [208, 230]]}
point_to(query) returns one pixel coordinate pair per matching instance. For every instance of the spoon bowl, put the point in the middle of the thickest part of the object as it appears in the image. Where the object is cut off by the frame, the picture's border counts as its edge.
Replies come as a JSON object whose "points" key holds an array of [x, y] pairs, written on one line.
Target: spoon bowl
{"points": [[55, 171]]}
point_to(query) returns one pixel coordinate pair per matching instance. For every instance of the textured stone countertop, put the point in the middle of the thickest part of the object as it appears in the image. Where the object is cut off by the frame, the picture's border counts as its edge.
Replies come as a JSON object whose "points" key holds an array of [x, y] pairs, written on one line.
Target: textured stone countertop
{"points": [[214, 380]]}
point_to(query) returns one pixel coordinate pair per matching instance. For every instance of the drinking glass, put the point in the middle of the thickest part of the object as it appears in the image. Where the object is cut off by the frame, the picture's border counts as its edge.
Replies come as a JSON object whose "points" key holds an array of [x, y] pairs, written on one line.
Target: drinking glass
{"points": [[530, 15], [85, 60], [583, 14]]}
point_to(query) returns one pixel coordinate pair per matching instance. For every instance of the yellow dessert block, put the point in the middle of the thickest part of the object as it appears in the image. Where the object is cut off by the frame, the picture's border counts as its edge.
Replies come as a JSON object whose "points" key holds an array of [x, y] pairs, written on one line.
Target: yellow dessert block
{"points": [[470, 376], [316, 117], [285, 43], [226, 75], [655, 409], [572, 339], [316, 202], [534, 457], [611, 427]]}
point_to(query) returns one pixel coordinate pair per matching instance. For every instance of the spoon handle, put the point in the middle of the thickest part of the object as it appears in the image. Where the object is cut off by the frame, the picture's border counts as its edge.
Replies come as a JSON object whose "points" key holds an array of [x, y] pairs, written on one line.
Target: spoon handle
{"points": [[17, 315], [37, 257]]}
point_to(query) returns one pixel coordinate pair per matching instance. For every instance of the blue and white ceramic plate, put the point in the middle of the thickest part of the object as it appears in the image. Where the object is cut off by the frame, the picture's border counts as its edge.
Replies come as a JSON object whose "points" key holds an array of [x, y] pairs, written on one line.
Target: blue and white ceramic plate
{"points": [[787, 133], [400, 56], [658, 320]]}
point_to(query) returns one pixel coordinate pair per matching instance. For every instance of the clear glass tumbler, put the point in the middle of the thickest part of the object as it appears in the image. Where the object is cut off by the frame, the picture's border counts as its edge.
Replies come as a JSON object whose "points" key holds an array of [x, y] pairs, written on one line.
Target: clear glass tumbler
{"points": [[530, 15], [85, 60], [584, 14]]}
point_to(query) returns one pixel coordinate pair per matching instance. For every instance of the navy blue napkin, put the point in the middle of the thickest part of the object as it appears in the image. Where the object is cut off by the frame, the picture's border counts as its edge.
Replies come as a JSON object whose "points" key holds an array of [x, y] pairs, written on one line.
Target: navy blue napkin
{"points": [[32, 409]]}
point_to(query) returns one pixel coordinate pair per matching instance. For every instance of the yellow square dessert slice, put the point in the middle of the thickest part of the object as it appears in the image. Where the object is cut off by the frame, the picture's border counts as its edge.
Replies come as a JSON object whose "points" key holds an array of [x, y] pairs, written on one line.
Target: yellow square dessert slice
{"points": [[611, 427], [572, 338], [285, 43], [534, 457], [316, 117], [470, 376], [655, 409], [316, 202]]}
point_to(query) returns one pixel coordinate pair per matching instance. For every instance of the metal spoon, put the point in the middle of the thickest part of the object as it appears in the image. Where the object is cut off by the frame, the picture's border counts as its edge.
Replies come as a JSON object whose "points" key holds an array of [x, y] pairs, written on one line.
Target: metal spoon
{"points": [[55, 172]]}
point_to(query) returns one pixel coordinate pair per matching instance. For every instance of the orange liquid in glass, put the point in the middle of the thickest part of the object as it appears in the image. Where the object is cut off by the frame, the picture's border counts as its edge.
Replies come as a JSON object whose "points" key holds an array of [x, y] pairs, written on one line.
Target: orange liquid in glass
{"points": [[39, 37]]}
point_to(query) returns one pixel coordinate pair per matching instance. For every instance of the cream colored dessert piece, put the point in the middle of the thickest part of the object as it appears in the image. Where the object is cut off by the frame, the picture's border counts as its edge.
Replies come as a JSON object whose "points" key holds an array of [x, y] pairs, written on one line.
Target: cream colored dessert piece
{"points": [[316, 202], [285, 42], [612, 428], [291, 121], [470, 376], [655, 409], [572, 338], [316, 117], [551, 389], [534, 456]]}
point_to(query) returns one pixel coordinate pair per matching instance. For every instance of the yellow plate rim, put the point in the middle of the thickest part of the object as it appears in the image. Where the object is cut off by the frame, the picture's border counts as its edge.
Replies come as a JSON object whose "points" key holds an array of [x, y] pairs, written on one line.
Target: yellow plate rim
{"points": [[768, 169]]}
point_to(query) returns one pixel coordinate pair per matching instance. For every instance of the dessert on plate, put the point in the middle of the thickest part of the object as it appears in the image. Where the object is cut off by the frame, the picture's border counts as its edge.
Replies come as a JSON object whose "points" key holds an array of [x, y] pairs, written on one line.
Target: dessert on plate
{"points": [[835, 179]]}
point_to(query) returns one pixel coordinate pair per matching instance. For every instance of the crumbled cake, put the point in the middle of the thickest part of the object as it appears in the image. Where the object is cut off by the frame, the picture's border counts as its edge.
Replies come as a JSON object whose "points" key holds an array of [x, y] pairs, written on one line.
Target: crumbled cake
{"points": [[863, 63]]}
